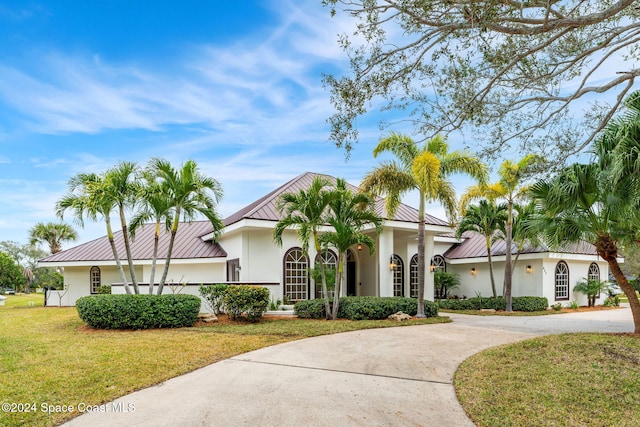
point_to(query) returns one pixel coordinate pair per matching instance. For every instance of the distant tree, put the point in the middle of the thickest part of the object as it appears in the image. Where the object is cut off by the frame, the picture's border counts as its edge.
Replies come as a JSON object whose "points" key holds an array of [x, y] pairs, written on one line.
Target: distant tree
{"points": [[11, 274], [52, 234], [507, 69]]}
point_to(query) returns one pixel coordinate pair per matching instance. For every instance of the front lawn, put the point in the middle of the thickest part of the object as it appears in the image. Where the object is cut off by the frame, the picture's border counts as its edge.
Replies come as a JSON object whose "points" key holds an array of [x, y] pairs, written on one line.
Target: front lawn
{"points": [[48, 356], [24, 300], [556, 380]]}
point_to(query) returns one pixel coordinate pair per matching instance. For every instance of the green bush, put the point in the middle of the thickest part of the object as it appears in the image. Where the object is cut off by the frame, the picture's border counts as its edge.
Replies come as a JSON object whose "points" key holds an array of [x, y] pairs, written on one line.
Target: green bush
{"points": [[138, 311], [214, 296], [499, 303], [252, 301], [365, 308], [104, 290]]}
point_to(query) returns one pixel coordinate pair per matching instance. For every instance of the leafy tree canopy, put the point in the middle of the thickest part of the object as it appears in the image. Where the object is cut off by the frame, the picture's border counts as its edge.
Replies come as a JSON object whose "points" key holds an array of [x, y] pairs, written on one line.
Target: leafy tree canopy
{"points": [[10, 273], [514, 71]]}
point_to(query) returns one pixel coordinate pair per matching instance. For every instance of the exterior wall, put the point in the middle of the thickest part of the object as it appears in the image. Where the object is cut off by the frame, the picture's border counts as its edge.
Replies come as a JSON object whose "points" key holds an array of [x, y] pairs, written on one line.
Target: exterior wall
{"points": [[578, 270]]}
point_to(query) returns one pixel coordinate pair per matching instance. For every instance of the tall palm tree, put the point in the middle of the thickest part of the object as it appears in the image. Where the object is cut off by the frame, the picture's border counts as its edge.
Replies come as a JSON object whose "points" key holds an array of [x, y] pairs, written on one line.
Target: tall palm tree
{"points": [[522, 234], [583, 203], [511, 188], [52, 234], [87, 196], [349, 214], [154, 206], [189, 193], [120, 187], [306, 210], [485, 218], [425, 168]]}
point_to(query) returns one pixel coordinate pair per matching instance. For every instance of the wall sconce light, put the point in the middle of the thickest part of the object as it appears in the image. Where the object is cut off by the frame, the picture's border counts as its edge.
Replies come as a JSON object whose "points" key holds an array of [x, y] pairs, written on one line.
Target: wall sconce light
{"points": [[432, 268], [392, 264], [474, 272], [359, 246], [238, 268], [529, 269]]}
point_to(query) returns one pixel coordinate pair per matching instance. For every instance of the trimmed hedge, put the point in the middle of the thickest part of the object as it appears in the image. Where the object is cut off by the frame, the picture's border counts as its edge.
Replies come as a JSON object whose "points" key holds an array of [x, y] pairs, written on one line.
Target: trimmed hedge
{"points": [[138, 311], [499, 303], [365, 308], [252, 301], [214, 296]]}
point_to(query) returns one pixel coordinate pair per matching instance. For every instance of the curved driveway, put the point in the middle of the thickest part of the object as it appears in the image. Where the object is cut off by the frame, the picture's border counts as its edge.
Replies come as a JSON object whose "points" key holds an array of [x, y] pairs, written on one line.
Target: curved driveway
{"points": [[377, 377]]}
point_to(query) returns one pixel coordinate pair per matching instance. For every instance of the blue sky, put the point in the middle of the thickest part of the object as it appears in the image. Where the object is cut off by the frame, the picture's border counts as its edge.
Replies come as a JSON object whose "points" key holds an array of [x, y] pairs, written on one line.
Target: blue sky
{"points": [[235, 86]]}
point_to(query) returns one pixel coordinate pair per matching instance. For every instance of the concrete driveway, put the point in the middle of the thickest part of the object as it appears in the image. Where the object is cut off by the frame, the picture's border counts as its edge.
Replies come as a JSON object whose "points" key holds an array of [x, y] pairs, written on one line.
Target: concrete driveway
{"points": [[378, 377]]}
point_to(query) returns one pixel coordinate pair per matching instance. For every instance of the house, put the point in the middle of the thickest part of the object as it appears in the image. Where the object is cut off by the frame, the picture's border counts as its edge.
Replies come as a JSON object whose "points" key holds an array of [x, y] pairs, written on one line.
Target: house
{"points": [[245, 253]]}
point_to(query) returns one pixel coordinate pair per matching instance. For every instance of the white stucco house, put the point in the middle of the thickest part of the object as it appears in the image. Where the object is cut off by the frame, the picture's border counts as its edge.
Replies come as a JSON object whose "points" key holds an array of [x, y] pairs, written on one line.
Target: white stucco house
{"points": [[245, 253]]}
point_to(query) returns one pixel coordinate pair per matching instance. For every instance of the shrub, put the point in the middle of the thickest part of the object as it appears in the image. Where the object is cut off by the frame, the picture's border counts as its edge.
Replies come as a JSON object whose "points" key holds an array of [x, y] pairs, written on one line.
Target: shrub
{"points": [[499, 303], [365, 308], [214, 296], [557, 306], [104, 290], [252, 301], [138, 311], [612, 301], [310, 309]]}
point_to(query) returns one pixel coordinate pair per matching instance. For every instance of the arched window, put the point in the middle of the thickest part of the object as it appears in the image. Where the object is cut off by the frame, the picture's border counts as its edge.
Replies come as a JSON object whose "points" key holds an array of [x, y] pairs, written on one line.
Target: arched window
{"points": [[438, 263], [330, 261], [413, 276], [594, 272], [94, 279], [562, 281], [398, 276], [296, 277]]}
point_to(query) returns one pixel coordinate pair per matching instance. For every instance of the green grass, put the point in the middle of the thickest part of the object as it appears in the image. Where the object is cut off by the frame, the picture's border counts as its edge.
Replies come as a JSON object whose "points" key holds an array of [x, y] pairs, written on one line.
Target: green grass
{"points": [[557, 380], [23, 300], [48, 355]]}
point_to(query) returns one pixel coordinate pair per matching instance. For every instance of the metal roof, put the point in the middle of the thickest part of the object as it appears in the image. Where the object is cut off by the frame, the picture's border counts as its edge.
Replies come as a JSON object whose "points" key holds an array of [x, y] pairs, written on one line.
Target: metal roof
{"points": [[265, 207], [187, 244], [474, 246]]}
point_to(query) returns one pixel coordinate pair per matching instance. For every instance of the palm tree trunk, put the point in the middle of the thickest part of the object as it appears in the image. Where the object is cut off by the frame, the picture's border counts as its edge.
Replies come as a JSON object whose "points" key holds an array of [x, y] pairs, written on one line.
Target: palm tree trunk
{"points": [[127, 248], [174, 231], [493, 280], [507, 266], [336, 295], [421, 260], [156, 239], [325, 292], [627, 289], [112, 242]]}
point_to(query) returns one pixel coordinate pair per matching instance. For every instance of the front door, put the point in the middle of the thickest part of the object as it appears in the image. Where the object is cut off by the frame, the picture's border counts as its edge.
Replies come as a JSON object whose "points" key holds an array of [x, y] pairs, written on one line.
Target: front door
{"points": [[351, 274]]}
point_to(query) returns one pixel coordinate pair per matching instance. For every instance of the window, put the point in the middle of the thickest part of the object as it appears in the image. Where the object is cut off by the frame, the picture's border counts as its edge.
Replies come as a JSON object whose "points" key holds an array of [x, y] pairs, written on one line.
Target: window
{"points": [[233, 270], [296, 278], [398, 276], [438, 263], [562, 281], [413, 277], [330, 261], [94, 279], [594, 272]]}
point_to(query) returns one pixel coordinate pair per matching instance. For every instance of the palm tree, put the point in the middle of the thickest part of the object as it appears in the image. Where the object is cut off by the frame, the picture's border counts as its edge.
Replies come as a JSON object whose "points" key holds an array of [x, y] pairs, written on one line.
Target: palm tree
{"points": [[583, 203], [522, 234], [52, 234], [485, 218], [120, 187], [189, 193], [509, 187], [349, 214], [591, 288], [423, 168], [154, 206], [306, 210], [87, 196]]}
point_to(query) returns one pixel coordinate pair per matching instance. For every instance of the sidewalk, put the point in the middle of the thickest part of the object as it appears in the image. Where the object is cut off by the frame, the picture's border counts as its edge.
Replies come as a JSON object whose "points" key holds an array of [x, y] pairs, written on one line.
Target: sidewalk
{"points": [[378, 377]]}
